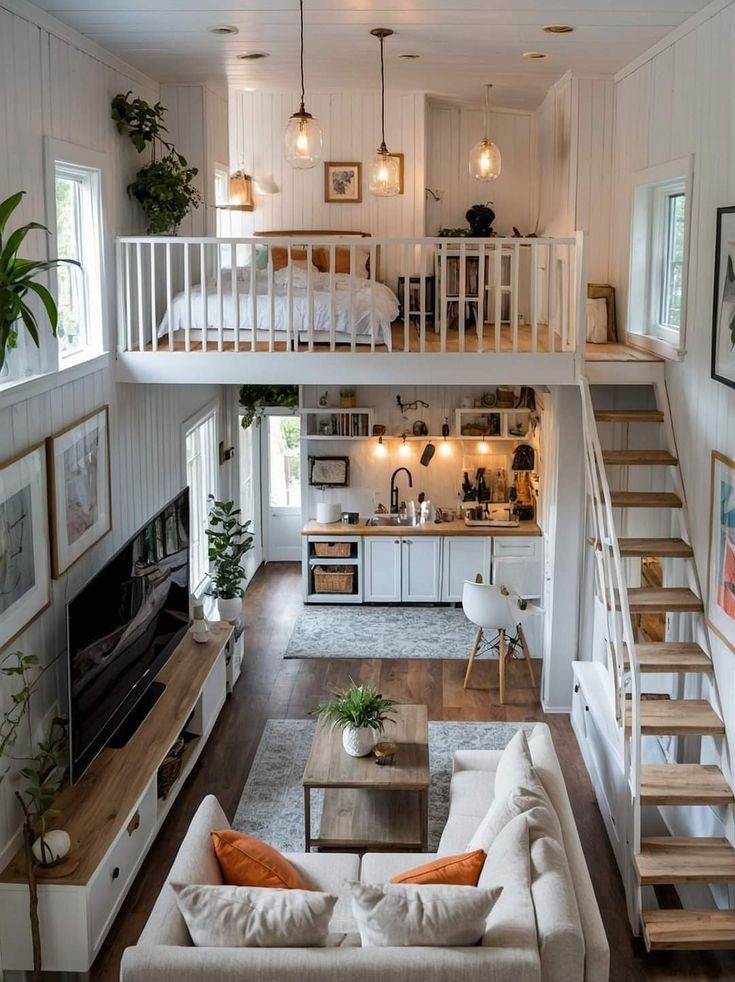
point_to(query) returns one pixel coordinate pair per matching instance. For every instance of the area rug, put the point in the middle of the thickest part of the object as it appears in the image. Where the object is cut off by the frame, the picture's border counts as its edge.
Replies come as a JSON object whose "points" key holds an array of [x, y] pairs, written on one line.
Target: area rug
{"points": [[381, 632], [272, 803]]}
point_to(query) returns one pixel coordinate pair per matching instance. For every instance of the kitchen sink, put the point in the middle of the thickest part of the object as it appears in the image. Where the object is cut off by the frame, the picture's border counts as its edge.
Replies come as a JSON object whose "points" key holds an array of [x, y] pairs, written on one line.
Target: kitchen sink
{"points": [[391, 521]]}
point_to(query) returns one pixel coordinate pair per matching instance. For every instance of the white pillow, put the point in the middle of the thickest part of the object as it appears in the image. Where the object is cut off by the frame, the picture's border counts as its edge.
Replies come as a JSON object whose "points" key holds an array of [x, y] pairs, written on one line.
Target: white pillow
{"points": [[512, 921], [597, 320], [560, 936], [515, 766], [298, 269], [254, 917], [397, 915]]}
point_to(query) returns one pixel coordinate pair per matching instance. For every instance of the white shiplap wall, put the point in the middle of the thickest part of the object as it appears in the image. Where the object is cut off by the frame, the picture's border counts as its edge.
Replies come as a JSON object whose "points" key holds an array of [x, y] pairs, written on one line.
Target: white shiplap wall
{"points": [[677, 102]]}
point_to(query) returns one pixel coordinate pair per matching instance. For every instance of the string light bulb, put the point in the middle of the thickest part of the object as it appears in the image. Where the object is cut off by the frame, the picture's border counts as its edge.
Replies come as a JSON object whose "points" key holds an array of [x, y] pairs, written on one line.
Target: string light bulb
{"points": [[381, 450], [485, 159], [482, 447], [404, 450]]}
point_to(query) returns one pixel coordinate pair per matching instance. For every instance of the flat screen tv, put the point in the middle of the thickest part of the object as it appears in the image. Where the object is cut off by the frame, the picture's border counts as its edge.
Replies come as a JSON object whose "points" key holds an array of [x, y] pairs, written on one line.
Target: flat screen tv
{"points": [[121, 629]]}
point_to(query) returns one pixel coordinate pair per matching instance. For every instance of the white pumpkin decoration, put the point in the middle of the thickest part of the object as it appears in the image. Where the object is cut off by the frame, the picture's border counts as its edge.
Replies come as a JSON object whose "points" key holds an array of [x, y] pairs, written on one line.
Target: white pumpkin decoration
{"points": [[51, 847]]}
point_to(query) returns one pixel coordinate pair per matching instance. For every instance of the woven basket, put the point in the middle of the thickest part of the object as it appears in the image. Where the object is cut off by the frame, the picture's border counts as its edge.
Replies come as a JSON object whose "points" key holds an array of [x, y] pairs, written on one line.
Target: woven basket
{"points": [[333, 550], [338, 580], [170, 769]]}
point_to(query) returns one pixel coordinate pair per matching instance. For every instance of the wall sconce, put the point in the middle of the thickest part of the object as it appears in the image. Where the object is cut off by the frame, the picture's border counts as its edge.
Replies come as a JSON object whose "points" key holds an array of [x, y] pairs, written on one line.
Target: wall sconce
{"points": [[482, 447], [381, 450], [404, 450], [241, 192]]}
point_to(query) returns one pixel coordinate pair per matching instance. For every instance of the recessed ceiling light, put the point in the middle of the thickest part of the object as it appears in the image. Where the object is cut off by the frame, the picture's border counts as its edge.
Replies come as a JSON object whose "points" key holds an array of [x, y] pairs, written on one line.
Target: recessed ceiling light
{"points": [[558, 29], [252, 55], [223, 29], [535, 55], [409, 57]]}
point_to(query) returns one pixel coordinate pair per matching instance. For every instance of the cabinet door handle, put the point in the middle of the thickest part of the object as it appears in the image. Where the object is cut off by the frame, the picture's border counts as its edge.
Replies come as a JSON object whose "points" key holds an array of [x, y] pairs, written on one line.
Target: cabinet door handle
{"points": [[396, 542], [134, 823], [116, 872]]}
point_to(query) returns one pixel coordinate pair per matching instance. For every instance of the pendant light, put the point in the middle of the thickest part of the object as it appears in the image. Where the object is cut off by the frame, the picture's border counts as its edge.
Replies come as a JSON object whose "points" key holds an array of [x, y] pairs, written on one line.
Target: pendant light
{"points": [[303, 137], [485, 156], [384, 176]]}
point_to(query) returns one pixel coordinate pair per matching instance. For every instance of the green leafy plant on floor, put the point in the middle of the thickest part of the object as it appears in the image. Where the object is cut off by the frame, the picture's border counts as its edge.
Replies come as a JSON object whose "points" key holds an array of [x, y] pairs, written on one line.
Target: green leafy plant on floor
{"points": [[42, 770], [18, 279], [230, 540], [164, 187], [255, 398], [356, 706]]}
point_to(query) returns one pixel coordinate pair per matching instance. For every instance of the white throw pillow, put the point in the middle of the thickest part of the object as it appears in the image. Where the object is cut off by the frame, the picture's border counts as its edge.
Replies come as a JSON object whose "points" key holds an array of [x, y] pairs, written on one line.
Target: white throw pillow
{"points": [[560, 936], [254, 917], [597, 320], [517, 802], [397, 915], [512, 921], [515, 766], [298, 269]]}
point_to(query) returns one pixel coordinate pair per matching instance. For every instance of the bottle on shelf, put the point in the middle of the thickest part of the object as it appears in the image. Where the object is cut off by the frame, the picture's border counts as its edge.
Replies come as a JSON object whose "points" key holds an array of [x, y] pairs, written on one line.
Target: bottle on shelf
{"points": [[500, 489]]}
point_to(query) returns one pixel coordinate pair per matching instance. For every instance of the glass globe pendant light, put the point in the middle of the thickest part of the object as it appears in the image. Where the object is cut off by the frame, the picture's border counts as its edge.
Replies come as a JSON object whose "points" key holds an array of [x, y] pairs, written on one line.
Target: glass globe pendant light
{"points": [[303, 137], [384, 177], [485, 160]]}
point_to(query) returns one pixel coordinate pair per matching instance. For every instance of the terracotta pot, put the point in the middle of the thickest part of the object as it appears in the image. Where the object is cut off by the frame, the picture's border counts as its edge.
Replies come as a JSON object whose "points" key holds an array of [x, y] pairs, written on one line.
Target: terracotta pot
{"points": [[358, 742]]}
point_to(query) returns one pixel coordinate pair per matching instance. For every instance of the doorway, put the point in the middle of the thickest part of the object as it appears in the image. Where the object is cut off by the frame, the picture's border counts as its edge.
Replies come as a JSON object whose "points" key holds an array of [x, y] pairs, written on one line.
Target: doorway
{"points": [[280, 455]]}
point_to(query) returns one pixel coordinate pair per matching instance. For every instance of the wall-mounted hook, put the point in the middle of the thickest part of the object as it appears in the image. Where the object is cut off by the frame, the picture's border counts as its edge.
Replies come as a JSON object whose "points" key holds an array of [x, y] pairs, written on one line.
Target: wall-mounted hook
{"points": [[436, 195]]}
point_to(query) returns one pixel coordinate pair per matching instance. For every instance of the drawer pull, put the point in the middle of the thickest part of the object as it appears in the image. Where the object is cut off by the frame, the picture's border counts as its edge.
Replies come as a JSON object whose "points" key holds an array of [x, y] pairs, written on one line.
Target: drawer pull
{"points": [[116, 872], [134, 823]]}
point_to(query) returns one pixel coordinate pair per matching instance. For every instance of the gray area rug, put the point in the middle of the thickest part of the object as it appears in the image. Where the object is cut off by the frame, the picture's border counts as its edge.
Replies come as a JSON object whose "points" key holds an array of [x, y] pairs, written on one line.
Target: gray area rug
{"points": [[272, 803], [381, 632]]}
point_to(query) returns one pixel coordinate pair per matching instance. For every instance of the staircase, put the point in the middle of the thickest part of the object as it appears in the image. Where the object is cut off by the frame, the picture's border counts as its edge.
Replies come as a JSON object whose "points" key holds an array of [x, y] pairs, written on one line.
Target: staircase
{"points": [[639, 670]]}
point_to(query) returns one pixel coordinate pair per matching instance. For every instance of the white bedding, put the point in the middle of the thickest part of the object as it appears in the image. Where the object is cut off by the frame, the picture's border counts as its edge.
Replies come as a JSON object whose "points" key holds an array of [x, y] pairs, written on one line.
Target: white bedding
{"points": [[364, 293]]}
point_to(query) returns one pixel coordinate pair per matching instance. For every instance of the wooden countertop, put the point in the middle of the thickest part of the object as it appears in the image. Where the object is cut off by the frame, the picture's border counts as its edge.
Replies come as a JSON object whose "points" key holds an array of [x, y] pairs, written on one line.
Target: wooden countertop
{"points": [[457, 527]]}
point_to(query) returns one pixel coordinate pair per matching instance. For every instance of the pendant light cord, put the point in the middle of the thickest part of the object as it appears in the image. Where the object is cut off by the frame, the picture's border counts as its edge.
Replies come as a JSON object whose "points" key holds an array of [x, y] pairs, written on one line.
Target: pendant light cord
{"points": [[487, 110], [301, 9], [383, 147]]}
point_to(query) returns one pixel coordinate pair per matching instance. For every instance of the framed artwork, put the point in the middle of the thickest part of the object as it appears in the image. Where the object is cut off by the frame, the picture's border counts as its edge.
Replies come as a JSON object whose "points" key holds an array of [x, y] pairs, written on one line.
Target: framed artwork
{"points": [[723, 308], [79, 482], [342, 182], [329, 472], [721, 569], [25, 580], [399, 158]]}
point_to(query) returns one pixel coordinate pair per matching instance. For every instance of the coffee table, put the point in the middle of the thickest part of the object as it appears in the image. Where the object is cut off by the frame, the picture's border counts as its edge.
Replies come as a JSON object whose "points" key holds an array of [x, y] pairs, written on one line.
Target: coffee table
{"points": [[366, 805]]}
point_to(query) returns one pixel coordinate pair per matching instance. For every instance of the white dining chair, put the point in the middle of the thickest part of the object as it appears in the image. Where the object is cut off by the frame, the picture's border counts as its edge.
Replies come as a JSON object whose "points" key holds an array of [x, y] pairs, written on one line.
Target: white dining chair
{"points": [[499, 621]]}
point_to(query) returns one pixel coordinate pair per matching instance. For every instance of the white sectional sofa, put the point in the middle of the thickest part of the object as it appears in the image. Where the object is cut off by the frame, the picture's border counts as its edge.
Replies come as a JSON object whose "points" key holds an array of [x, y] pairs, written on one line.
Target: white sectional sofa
{"points": [[164, 952]]}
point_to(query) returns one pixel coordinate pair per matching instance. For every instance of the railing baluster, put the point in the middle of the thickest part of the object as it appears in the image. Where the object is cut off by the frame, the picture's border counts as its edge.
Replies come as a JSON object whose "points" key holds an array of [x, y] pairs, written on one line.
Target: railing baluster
{"points": [[203, 291], [291, 332], [253, 298], [220, 303], [309, 299], [353, 325], [235, 298], [169, 299], [128, 300], [482, 302], [187, 297], [552, 295], [406, 300], [515, 260], [371, 287], [422, 316], [154, 327], [498, 293], [271, 303], [534, 297], [443, 302], [461, 311], [332, 300], [139, 289]]}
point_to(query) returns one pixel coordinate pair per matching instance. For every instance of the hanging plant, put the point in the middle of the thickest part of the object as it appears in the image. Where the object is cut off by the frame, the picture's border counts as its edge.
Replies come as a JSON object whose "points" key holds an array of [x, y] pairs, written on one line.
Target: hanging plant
{"points": [[164, 187], [255, 398]]}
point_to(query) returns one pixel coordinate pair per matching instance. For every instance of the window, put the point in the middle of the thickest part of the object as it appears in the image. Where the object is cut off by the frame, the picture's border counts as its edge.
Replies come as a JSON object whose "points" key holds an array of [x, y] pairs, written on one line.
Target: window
{"points": [[284, 434], [202, 466], [659, 232]]}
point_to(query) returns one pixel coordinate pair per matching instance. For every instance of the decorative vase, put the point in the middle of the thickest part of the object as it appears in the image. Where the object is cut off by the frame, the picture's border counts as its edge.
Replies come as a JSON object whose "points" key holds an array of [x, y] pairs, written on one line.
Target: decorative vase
{"points": [[230, 608], [358, 741], [51, 847]]}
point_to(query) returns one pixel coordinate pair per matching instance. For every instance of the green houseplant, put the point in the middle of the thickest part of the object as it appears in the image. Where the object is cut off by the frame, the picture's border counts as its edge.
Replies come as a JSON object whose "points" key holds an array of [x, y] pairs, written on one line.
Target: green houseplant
{"points": [[42, 769], [18, 279], [230, 540], [164, 187], [361, 712], [255, 398]]}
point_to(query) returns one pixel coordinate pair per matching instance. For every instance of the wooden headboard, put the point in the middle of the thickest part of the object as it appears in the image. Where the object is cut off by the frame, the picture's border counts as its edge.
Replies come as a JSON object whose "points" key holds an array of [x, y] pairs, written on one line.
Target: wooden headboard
{"points": [[337, 233]]}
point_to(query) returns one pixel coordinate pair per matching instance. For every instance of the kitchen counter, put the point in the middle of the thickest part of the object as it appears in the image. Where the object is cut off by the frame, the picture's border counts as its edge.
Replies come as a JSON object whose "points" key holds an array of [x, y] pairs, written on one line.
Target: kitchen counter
{"points": [[456, 527]]}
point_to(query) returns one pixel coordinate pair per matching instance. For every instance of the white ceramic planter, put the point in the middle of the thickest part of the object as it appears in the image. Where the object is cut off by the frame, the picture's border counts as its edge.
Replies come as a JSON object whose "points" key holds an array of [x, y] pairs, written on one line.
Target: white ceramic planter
{"points": [[229, 609], [358, 742], [52, 847]]}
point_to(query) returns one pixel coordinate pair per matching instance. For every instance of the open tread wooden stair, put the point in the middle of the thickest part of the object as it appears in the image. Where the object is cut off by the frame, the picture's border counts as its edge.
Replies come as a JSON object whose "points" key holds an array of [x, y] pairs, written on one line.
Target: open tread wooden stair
{"points": [[685, 859], [689, 929], [674, 599], [684, 784], [645, 499], [665, 657], [629, 416], [676, 717], [660, 548], [639, 458]]}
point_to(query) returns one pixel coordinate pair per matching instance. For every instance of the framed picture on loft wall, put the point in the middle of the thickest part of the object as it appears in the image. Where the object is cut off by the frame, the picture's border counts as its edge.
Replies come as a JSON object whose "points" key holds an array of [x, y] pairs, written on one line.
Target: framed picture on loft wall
{"points": [[721, 571], [342, 182], [25, 580], [723, 308], [79, 481]]}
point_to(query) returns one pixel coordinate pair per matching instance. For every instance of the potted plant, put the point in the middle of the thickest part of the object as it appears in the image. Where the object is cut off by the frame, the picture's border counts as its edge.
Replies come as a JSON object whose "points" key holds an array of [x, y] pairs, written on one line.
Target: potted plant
{"points": [[164, 187], [361, 712], [255, 398], [18, 278], [230, 540]]}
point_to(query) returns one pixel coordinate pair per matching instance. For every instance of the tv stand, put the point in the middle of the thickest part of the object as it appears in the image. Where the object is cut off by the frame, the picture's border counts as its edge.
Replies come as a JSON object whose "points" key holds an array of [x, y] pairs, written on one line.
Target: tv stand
{"points": [[132, 722], [113, 815]]}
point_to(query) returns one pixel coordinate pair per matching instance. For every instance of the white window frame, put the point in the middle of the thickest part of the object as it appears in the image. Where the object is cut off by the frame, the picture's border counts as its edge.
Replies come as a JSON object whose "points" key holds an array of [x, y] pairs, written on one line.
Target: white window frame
{"points": [[651, 191], [206, 413]]}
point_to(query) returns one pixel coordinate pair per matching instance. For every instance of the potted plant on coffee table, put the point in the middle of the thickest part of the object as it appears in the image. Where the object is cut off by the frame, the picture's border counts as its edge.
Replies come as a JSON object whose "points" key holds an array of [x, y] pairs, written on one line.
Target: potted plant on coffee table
{"points": [[230, 540], [361, 712]]}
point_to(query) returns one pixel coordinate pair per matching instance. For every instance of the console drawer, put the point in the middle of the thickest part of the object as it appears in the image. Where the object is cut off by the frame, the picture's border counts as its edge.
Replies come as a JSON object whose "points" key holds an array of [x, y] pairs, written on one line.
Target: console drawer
{"points": [[527, 546]]}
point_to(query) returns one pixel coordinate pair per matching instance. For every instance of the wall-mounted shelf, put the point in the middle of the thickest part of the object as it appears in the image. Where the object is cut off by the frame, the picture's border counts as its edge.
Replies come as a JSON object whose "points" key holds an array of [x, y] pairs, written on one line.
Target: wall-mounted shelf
{"points": [[496, 423], [344, 423]]}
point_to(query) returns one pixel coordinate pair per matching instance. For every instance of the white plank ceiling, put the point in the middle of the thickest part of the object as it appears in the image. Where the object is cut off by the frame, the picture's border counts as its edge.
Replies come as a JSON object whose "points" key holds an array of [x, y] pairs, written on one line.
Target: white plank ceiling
{"points": [[461, 45]]}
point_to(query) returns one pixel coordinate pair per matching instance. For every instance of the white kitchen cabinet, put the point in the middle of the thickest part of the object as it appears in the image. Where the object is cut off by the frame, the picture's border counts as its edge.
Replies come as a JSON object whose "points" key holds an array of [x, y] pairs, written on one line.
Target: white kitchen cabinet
{"points": [[382, 569], [420, 568], [517, 565], [464, 556]]}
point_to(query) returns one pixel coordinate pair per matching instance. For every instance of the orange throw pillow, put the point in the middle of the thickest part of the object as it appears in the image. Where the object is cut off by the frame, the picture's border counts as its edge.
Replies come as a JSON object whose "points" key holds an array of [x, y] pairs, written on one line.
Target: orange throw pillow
{"points": [[248, 862], [462, 870]]}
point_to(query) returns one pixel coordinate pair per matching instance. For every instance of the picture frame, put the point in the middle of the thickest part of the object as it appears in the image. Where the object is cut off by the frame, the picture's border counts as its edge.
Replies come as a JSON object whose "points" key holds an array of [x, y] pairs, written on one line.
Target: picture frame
{"points": [[79, 488], [25, 577], [342, 182], [721, 561], [723, 303], [329, 472], [401, 164]]}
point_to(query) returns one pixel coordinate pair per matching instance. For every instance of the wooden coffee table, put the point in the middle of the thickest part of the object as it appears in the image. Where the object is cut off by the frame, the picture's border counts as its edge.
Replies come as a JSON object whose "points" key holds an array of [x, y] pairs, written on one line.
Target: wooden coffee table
{"points": [[366, 805]]}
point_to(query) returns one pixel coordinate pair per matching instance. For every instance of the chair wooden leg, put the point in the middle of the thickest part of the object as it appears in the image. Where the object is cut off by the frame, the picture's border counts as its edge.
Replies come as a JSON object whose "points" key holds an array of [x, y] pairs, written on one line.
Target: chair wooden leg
{"points": [[501, 665], [526, 654], [471, 660]]}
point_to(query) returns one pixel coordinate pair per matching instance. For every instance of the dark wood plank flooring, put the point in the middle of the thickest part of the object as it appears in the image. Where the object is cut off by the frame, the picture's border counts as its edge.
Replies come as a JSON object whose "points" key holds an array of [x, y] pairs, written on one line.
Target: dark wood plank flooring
{"points": [[271, 688]]}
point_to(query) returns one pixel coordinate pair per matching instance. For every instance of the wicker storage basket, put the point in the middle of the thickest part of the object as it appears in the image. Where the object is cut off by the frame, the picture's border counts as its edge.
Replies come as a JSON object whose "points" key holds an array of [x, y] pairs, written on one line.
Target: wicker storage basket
{"points": [[338, 579], [170, 769], [333, 550]]}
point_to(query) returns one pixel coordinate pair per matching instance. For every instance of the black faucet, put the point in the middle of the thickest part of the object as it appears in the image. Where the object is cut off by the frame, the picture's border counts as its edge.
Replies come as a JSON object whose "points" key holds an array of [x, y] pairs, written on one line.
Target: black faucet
{"points": [[394, 489]]}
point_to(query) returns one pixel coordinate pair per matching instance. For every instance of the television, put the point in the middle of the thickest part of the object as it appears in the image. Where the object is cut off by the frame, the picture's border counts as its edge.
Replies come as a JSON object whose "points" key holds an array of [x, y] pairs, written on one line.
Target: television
{"points": [[121, 629]]}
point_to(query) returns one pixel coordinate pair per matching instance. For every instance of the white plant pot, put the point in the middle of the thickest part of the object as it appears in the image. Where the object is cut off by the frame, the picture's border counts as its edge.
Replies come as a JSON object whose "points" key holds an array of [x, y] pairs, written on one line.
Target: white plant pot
{"points": [[50, 848], [230, 609], [358, 742]]}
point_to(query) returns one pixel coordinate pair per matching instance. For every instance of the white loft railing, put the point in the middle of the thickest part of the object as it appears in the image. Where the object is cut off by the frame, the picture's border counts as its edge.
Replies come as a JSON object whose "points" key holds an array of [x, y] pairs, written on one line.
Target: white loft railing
{"points": [[463, 295]]}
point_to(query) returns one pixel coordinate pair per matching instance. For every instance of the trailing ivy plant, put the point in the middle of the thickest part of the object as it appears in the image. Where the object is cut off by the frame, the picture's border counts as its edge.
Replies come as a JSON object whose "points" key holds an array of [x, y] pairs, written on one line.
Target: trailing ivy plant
{"points": [[164, 187], [230, 540], [255, 398]]}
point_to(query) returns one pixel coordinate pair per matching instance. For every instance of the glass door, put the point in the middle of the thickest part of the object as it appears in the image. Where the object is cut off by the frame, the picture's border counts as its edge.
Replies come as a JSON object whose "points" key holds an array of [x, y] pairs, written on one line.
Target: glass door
{"points": [[281, 458]]}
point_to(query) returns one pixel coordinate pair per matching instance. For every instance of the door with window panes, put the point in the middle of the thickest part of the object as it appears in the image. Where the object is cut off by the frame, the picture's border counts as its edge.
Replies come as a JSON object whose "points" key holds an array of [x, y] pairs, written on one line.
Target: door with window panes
{"points": [[281, 473]]}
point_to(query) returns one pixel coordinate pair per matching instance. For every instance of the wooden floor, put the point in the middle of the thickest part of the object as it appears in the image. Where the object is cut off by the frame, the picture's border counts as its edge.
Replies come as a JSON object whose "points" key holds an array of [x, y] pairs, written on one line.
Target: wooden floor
{"points": [[273, 688]]}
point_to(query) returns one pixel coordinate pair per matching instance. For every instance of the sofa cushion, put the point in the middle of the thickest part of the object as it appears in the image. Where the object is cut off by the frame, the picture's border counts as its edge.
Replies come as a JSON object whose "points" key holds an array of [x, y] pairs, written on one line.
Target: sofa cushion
{"points": [[254, 917], [476, 760], [406, 915], [247, 862], [380, 867], [512, 921], [471, 793], [516, 802], [463, 869], [456, 834], [560, 938], [514, 767], [330, 872]]}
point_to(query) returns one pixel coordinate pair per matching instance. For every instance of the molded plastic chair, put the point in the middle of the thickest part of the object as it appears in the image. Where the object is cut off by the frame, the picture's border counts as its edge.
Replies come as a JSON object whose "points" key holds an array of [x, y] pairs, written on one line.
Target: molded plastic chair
{"points": [[494, 610]]}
